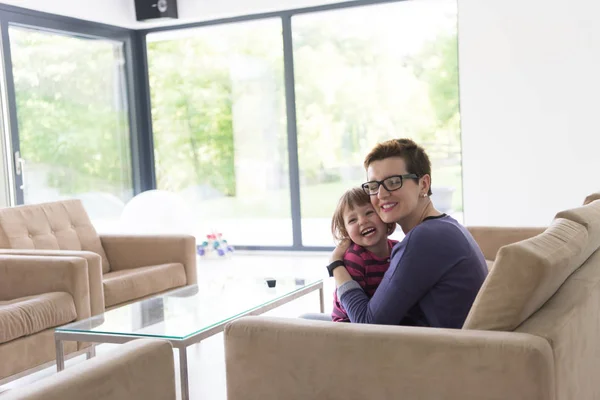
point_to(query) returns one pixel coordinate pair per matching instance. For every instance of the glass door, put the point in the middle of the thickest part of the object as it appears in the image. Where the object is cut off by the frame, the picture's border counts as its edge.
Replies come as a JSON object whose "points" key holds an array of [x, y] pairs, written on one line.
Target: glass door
{"points": [[73, 136]]}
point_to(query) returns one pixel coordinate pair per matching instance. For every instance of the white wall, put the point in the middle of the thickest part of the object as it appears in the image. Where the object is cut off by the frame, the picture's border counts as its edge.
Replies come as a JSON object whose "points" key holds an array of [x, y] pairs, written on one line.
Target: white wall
{"points": [[203, 10], [113, 12], [122, 12], [530, 102]]}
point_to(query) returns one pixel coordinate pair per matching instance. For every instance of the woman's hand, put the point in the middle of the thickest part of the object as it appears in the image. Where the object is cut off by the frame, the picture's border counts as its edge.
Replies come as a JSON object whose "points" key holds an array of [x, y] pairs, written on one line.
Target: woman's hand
{"points": [[340, 250]]}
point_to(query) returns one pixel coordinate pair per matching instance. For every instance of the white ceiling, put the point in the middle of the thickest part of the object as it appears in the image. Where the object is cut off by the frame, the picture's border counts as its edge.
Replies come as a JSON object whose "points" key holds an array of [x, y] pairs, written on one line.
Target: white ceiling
{"points": [[122, 12]]}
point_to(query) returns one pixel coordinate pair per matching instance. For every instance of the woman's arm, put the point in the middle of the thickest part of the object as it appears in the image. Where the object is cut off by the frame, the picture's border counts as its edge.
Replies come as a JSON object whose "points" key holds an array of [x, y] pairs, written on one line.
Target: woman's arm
{"points": [[340, 274], [416, 266]]}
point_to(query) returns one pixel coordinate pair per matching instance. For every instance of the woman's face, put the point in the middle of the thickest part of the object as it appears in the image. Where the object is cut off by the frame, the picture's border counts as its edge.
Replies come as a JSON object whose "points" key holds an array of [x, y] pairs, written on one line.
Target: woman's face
{"points": [[398, 205]]}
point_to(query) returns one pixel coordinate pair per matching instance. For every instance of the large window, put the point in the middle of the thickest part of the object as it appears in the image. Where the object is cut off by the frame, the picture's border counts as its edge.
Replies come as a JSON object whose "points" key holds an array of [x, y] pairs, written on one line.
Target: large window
{"points": [[73, 121], [361, 75], [369, 74], [218, 110], [219, 95]]}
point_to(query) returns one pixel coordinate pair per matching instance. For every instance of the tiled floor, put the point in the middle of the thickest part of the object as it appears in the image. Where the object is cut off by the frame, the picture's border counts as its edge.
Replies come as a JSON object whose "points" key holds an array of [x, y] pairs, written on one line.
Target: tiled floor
{"points": [[206, 359]]}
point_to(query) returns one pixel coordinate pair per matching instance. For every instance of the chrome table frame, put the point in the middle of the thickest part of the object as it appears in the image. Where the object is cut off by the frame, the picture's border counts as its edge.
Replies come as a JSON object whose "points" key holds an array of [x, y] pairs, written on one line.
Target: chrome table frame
{"points": [[180, 344]]}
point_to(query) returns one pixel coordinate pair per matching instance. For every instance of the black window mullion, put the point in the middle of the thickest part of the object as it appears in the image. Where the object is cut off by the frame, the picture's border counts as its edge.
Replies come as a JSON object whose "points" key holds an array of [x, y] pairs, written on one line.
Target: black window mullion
{"points": [[292, 132], [140, 113], [16, 196]]}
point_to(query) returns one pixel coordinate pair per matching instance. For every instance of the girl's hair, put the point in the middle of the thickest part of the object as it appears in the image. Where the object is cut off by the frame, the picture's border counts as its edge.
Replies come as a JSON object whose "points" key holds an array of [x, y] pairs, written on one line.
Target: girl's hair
{"points": [[355, 197]]}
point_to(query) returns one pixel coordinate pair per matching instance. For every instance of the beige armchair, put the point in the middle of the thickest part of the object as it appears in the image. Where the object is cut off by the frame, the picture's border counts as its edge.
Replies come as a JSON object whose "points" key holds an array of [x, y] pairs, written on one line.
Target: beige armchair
{"points": [[38, 294], [140, 370], [532, 333], [122, 268]]}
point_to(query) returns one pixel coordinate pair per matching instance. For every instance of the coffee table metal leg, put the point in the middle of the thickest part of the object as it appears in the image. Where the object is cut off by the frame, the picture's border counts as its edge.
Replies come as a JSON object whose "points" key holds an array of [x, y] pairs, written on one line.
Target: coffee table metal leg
{"points": [[60, 355], [183, 370], [91, 352], [322, 299]]}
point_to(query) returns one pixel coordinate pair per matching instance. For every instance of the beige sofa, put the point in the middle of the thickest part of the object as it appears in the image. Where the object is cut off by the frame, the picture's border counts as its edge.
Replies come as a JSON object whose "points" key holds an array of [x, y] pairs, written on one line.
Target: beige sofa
{"points": [[122, 268], [532, 333], [118, 269], [38, 294], [140, 370]]}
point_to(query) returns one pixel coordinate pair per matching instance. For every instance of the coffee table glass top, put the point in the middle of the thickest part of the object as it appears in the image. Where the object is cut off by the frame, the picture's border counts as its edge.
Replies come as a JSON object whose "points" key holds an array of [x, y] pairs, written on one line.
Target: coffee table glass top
{"points": [[187, 311]]}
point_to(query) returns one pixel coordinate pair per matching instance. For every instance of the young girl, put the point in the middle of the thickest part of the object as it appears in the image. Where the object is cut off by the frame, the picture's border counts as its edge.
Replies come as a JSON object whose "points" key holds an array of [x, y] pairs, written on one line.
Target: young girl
{"points": [[368, 257]]}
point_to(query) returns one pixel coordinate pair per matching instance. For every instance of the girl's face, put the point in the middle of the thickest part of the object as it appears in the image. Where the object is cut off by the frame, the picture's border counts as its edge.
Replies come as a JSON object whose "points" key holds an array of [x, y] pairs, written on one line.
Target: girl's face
{"points": [[364, 226]]}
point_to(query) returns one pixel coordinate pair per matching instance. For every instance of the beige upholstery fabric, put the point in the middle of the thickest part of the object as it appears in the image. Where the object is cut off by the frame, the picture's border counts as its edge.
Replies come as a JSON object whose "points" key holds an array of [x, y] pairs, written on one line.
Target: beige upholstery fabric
{"points": [[94, 266], [22, 276], [133, 251], [28, 352], [33, 314], [570, 321], [591, 197], [282, 358], [491, 239], [64, 229], [526, 275], [62, 225], [588, 216], [139, 370], [127, 284]]}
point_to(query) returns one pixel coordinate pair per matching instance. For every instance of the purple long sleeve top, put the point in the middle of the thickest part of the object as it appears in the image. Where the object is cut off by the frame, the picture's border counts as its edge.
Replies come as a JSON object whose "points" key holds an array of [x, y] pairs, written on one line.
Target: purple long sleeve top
{"points": [[433, 279]]}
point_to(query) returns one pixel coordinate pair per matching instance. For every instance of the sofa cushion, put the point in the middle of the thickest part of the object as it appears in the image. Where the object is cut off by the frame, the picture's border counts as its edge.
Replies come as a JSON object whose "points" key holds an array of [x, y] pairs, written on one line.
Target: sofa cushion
{"points": [[60, 225], [30, 351], [591, 197], [32, 314], [588, 216], [129, 284], [525, 275]]}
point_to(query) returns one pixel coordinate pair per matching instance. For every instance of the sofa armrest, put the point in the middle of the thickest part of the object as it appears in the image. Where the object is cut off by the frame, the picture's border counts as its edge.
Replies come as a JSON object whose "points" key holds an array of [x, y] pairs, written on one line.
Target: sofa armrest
{"points": [[140, 370], [278, 358], [22, 276], [133, 251], [94, 265], [491, 238], [592, 197]]}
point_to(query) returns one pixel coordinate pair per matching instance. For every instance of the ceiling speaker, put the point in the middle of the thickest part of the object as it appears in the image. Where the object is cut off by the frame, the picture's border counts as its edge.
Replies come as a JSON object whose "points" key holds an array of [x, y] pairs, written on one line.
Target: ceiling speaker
{"points": [[154, 9]]}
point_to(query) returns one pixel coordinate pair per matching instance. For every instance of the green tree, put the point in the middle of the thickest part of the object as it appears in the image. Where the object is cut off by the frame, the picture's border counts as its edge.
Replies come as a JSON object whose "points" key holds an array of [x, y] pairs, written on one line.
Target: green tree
{"points": [[192, 122], [437, 65]]}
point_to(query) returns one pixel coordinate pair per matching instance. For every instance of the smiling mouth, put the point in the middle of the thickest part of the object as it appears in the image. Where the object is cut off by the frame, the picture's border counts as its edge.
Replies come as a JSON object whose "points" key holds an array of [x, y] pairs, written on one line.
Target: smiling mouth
{"points": [[387, 207], [367, 231]]}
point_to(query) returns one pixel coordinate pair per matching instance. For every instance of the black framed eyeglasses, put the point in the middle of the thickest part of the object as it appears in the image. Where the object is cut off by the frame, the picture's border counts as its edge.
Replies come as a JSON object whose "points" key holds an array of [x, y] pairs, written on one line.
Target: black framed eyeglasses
{"points": [[390, 183]]}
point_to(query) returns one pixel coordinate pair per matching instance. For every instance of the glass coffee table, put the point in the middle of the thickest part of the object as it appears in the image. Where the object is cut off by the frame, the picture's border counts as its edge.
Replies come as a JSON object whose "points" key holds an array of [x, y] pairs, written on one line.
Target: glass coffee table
{"points": [[187, 315]]}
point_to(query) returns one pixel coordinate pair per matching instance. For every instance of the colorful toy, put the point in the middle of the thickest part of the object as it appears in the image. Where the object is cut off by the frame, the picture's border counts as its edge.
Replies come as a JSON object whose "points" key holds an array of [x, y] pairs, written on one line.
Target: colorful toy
{"points": [[214, 245]]}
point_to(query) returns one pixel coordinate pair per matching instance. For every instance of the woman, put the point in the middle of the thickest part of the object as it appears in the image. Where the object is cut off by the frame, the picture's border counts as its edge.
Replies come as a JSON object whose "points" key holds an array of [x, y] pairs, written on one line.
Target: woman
{"points": [[436, 271]]}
